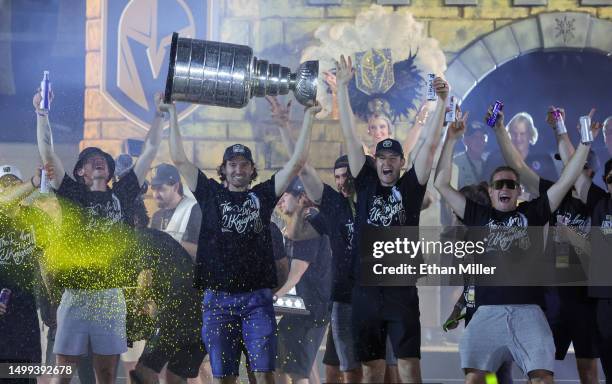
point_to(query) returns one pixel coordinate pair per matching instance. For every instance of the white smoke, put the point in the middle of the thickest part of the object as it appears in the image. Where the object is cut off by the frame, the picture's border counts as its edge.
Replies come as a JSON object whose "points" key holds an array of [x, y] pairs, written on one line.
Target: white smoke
{"points": [[374, 28]]}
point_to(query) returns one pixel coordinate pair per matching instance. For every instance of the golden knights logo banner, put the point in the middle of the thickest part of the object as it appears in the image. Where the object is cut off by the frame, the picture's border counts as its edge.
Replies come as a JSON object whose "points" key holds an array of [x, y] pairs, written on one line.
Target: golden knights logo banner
{"points": [[374, 71], [136, 47]]}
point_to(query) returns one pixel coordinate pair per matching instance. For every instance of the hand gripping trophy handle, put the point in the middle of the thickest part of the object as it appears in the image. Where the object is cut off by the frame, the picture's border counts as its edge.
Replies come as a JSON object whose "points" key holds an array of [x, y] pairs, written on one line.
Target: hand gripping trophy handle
{"points": [[228, 75]]}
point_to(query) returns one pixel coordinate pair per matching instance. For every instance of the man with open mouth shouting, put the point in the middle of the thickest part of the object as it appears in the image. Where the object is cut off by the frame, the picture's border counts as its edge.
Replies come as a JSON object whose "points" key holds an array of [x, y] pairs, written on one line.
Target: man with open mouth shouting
{"points": [[508, 323], [385, 199]]}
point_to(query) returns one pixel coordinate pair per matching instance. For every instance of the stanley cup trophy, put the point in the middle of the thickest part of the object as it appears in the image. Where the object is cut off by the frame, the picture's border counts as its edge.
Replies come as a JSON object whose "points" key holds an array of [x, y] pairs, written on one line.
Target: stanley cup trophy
{"points": [[228, 75]]}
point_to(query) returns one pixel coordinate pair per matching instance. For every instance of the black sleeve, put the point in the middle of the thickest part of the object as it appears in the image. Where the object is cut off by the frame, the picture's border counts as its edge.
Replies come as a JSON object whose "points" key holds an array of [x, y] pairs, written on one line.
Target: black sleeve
{"points": [[278, 245], [331, 200], [70, 189], [266, 194], [544, 185], [204, 188], [306, 250], [594, 195], [412, 191], [537, 210], [192, 232], [476, 214], [319, 223], [127, 189], [366, 177]]}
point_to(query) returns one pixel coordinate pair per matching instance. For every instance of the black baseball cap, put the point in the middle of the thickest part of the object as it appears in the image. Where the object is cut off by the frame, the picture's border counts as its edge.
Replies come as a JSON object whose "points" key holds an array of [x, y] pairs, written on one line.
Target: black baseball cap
{"points": [[296, 188], [390, 145], [237, 150], [341, 162], [165, 174], [92, 151]]}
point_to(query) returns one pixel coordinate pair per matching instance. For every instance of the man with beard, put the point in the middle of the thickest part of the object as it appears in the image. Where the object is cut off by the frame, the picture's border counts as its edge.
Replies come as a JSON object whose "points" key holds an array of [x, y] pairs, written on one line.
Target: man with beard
{"points": [[385, 199], [337, 213], [235, 261], [569, 310], [508, 323], [92, 311], [178, 215]]}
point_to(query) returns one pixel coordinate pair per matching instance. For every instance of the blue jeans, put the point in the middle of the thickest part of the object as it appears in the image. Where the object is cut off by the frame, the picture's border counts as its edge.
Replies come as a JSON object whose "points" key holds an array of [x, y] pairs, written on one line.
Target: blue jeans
{"points": [[233, 322]]}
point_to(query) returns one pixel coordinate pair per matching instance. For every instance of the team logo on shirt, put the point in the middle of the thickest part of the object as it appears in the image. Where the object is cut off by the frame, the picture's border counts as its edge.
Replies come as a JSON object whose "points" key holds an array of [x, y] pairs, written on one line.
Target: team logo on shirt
{"points": [[102, 216], [240, 218], [384, 209], [581, 223], [16, 246], [503, 234]]}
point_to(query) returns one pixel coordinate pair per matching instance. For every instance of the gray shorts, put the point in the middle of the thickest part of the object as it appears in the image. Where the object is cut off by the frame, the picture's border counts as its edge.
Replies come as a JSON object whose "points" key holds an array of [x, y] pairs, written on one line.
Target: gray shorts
{"points": [[500, 333], [88, 316]]}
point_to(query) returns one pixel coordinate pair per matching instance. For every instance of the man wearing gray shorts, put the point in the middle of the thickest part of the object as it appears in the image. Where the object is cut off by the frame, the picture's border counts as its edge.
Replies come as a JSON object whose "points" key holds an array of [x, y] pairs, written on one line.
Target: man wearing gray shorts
{"points": [[90, 262], [508, 323]]}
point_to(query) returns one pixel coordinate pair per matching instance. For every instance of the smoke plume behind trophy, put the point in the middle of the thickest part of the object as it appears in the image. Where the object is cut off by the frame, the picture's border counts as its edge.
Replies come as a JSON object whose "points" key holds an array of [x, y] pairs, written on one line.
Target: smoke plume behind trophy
{"points": [[228, 75]]}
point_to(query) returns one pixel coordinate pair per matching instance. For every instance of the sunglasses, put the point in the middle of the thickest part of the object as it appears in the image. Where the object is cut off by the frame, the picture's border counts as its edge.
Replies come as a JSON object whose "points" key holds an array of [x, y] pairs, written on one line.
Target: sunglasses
{"points": [[609, 179], [510, 184]]}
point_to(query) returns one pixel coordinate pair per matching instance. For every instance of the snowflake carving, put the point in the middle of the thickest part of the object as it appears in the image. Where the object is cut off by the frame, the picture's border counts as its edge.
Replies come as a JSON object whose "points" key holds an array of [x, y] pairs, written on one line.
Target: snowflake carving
{"points": [[565, 29]]}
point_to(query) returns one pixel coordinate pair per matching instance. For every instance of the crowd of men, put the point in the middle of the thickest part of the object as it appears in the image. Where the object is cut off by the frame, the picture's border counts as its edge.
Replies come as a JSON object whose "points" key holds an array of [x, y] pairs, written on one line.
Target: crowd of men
{"points": [[198, 281]]}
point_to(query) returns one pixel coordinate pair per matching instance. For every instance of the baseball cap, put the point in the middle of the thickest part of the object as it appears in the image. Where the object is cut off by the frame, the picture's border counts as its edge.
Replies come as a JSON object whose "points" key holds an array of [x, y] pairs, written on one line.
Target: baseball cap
{"points": [[390, 145], [592, 161], [92, 151], [165, 174], [237, 150], [10, 170], [124, 163], [341, 162], [296, 188], [474, 127]]}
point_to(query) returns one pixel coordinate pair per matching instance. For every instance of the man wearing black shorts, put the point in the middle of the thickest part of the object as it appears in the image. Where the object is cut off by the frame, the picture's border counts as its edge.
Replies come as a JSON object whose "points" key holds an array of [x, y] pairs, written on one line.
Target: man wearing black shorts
{"points": [[385, 199]]}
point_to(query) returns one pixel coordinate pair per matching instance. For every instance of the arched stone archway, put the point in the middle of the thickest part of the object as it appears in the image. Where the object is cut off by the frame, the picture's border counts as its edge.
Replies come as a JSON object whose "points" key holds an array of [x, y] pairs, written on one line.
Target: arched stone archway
{"points": [[547, 31]]}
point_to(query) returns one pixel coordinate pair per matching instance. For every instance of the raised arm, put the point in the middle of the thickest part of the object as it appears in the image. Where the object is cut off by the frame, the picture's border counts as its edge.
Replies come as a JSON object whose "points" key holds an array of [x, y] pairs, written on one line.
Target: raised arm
{"points": [[151, 144], [311, 180], [570, 173], [354, 146], [417, 127], [300, 154], [187, 169], [442, 180], [512, 156], [44, 138], [424, 158], [566, 150]]}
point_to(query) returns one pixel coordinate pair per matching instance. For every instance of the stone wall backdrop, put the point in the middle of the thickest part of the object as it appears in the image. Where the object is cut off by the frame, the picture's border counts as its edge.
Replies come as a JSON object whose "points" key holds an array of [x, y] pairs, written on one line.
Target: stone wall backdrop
{"points": [[278, 30]]}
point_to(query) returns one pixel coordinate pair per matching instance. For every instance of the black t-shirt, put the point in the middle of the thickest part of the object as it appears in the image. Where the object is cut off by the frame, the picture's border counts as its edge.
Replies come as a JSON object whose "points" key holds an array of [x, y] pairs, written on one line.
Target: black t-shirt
{"points": [[601, 221], [278, 242], [507, 234], [336, 211], [179, 304], [315, 285], [19, 272], [91, 251], [381, 206], [235, 247], [161, 219], [573, 213]]}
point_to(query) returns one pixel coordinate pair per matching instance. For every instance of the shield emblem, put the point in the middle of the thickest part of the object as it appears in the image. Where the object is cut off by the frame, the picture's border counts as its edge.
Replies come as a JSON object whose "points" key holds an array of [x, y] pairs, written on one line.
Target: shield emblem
{"points": [[136, 37], [374, 71]]}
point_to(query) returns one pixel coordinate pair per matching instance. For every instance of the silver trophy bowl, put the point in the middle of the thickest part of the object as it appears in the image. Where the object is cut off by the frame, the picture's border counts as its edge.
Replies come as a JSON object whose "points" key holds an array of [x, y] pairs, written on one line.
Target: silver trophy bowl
{"points": [[228, 75]]}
